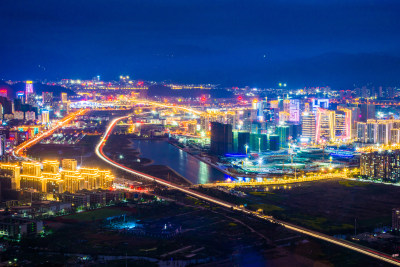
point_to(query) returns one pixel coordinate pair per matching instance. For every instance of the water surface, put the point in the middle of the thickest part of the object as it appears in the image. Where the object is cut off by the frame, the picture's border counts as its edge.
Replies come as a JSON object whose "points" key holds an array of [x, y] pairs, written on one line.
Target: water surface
{"points": [[163, 153]]}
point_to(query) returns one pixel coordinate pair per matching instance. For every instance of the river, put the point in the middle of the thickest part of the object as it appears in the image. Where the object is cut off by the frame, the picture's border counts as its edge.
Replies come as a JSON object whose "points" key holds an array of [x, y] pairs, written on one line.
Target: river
{"points": [[163, 153]]}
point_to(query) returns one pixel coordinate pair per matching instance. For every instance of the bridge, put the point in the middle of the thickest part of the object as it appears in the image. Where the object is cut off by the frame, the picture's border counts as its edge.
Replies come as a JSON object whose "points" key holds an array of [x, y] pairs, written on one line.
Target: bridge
{"points": [[355, 247]]}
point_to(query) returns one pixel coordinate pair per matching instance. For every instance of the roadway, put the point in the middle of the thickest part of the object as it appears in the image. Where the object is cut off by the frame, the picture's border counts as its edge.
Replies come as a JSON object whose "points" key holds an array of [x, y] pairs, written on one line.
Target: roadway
{"points": [[17, 152], [280, 181], [355, 247]]}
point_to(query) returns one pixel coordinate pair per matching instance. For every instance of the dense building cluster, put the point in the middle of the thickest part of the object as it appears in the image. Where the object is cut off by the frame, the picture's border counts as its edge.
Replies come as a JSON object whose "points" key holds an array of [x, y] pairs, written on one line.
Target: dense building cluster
{"points": [[383, 165], [50, 179]]}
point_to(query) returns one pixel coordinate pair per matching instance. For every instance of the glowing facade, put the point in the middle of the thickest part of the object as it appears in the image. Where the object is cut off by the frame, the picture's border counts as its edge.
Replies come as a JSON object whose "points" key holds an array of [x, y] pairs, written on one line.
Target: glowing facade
{"points": [[343, 123], [308, 129], [64, 97], [294, 110], [69, 164], [325, 125], [29, 96], [51, 180], [16, 174], [45, 117]]}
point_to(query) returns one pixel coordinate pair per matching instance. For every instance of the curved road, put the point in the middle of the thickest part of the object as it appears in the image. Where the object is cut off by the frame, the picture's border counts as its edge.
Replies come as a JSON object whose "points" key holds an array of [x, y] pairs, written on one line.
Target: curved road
{"points": [[64, 121], [336, 241]]}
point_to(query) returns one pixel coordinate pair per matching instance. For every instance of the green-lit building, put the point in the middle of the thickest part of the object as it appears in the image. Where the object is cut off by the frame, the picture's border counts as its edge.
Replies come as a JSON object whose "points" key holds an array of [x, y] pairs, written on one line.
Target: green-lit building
{"points": [[258, 142], [283, 132], [240, 140]]}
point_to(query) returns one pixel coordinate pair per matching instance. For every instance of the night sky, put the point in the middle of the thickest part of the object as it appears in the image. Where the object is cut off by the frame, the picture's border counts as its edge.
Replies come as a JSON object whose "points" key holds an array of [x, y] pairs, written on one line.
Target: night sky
{"points": [[256, 43]]}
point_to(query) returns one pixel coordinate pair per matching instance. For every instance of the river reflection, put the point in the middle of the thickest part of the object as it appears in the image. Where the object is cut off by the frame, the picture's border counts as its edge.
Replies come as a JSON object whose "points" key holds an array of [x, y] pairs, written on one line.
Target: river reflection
{"points": [[163, 153]]}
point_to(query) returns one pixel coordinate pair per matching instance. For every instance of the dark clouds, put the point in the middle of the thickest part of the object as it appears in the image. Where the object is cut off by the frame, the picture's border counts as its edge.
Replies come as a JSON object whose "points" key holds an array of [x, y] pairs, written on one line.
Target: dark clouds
{"points": [[222, 41]]}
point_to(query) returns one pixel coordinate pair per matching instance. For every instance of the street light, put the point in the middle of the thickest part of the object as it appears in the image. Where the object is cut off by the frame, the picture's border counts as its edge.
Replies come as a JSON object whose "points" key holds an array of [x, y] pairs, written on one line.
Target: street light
{"points": [[246, 146]]}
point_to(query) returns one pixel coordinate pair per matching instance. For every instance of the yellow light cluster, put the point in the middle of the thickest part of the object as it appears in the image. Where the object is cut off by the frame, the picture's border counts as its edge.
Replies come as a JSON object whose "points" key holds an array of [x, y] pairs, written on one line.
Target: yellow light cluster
{"points": [[53, 180]]}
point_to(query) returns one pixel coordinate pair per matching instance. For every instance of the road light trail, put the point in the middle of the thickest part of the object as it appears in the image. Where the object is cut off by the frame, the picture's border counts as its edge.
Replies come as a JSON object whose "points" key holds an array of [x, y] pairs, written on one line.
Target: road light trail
{"points": [[17, 151], [355, 247]]}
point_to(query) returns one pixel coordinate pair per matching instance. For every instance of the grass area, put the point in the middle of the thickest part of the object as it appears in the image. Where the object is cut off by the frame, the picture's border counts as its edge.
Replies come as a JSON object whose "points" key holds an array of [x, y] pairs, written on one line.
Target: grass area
{"points": [[322, 224], [350, 183], [261, 194], [98, 214]]}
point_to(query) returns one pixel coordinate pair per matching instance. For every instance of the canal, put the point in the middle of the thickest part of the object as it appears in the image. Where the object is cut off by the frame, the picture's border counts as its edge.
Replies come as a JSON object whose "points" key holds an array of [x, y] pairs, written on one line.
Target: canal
{"points": [[163, 153]]}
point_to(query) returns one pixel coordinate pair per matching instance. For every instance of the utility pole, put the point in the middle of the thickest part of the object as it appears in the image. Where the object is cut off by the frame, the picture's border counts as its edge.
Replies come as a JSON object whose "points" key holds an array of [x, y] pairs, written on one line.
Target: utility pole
{"points": [[355, 226]]}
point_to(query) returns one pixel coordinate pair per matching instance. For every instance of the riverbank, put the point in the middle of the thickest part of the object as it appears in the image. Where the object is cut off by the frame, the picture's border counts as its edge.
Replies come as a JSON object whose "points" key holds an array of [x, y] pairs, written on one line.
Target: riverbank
{"points": [[205, 160], [120, 149]]}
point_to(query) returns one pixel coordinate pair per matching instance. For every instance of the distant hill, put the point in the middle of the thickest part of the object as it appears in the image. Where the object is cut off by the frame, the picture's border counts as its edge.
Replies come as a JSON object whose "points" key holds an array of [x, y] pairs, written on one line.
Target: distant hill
{"points": [[161, 90], [38, 88]]}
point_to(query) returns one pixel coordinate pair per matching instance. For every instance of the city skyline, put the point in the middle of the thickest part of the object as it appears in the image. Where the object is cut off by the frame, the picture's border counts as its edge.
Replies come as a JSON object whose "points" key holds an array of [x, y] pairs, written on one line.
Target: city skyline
{"points": [[200, 133]]}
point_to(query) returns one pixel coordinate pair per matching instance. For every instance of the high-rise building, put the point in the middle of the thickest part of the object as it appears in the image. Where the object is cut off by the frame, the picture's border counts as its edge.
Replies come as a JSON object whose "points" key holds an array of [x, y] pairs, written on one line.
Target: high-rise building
{"points": [[30, 116], [367, 112], [21, 95], [372, 132], [47, 98], [325, 125], [240, 140], [384, 131], [3, 92], [45, 117], [284, 116], [344, 123], [19, 115], [283, 132], [273, 141], [29, 95], [221, 138], [31, 168], [396, 219], [51, 166], [258, 142], [384, 166], [308, 129], [319, 103], [69, 164], [362, 132], [64, 97], [294, 110], [2, 146], [395, 136]]}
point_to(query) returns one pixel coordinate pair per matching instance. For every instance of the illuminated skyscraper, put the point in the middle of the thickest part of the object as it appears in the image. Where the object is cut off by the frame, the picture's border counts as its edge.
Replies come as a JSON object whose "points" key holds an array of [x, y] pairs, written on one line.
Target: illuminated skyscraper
{"points": [[29, 96], [64, 97], [4, 92], [45, 117], [308, 130], [325, 125], [319, 103], [29, 87], [344, 124], [384, 131], [395, 136], [294, 110], [47, 98]]}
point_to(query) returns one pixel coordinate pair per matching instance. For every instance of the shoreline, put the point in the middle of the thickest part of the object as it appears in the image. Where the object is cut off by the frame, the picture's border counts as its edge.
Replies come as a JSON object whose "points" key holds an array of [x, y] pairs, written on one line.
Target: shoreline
{"points": [[213, 165]]}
